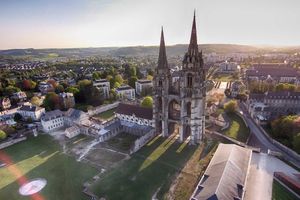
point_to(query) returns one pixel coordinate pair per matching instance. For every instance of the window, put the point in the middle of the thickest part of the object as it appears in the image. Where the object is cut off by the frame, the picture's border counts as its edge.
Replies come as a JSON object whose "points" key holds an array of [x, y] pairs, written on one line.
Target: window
{"points": [[189, 81], [160, 83]]}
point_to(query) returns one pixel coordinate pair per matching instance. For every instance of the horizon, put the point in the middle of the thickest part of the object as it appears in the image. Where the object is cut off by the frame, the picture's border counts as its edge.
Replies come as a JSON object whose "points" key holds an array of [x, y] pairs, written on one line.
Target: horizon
{"points": [[103, 23]]}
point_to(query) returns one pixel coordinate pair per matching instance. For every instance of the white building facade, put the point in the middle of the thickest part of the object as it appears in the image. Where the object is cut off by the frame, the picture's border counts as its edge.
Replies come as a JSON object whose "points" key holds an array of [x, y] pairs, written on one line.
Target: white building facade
{"points": [[125, 92], [52, 120]]}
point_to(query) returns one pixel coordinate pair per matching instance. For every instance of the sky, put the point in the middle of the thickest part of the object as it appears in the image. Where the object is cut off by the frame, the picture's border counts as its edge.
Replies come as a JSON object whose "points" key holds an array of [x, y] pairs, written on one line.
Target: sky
{"points": [[102, 23]]}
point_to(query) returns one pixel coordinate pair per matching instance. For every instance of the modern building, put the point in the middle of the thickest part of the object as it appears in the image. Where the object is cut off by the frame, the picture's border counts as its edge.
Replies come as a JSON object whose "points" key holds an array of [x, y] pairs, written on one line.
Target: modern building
{"points": [[135, 114], [5, 103], [104, 85], [143, 87], [183, 104], [31, 112], [125, 92], [226, 174], [52, 120], [67, 100]]}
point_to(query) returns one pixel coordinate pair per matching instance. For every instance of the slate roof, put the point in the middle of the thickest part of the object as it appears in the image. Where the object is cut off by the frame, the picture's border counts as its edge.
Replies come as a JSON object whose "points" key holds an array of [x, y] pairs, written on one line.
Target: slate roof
{"points": [[124, 87], [283, 95], [138, 111], [225, 175], [52, 115], [273, 71], [144, 81], [30, 108], [74, 114]]}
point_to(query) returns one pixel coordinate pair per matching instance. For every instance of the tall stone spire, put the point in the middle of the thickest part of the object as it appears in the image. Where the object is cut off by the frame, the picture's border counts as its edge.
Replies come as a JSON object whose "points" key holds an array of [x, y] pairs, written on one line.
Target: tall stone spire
{"points": [[162, 58], [193, 47]]}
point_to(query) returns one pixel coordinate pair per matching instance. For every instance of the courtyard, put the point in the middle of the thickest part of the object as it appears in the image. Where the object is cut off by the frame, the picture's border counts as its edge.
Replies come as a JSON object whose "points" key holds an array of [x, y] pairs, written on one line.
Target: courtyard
{"points": [[42, 157]]}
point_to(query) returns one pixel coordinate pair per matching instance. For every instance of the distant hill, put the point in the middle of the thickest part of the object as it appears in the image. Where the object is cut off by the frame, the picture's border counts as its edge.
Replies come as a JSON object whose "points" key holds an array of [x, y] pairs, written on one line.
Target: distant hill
{"points": [[175, 50]]}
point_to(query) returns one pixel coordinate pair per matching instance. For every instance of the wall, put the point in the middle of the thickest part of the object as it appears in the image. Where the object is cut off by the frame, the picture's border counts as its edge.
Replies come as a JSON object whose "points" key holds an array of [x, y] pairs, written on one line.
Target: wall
{"points": [[139, 143], [11, 142], [102, 108]]}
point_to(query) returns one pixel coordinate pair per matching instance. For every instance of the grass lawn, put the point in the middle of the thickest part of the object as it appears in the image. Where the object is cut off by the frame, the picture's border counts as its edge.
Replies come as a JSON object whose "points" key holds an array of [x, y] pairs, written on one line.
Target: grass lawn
{"points": [[223, 77], [122, 141], [107, 114], [148, 173], [41, 157], [279, 192], [237, 129], [184, 185]]}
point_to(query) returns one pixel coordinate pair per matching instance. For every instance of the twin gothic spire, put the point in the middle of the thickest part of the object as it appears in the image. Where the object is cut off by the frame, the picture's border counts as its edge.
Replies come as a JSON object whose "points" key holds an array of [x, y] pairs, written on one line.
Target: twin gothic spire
{"points": [[192, 50]]}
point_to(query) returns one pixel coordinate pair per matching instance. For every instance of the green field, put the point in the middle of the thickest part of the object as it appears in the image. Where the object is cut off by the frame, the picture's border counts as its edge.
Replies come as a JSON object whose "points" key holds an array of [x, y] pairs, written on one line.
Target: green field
{"points": [[41, 157], [149, 171], [279, 192], [107, 114], [237, 129]]}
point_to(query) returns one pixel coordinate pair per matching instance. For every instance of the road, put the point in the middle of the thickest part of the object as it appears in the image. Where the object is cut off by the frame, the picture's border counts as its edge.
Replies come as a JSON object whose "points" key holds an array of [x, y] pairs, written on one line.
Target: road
{"points": [[260, 139]]}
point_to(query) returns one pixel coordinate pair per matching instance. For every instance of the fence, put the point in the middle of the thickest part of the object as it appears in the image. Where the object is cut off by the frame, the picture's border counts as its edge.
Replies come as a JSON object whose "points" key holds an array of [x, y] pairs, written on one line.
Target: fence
{"points": [[11, 142], [102, 108]]}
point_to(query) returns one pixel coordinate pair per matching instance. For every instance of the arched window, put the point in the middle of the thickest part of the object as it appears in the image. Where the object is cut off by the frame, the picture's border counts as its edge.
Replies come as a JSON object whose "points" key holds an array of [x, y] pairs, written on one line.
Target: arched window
{"points": [[189, 81], [160, 83]]}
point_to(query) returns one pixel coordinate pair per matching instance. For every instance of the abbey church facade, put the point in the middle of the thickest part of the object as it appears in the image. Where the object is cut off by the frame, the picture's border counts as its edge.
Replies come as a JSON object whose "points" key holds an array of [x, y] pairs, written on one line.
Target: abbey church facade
{"points": [[179, 105]]}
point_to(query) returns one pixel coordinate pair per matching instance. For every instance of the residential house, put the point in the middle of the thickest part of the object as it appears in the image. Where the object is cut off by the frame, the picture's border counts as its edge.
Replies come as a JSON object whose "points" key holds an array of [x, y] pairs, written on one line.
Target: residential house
{"points": [[74, 116], [19, 97], [31, 112], [45, 87], [52, 120], [5, 103]]}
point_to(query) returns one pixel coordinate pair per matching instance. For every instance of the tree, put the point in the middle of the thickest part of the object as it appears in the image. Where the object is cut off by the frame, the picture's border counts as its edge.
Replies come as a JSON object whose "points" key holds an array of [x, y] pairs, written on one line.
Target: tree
{"points": [[296, 143], [17, 117], [2, 135], [52, 82], [51, 101], [149, 77], [147, 102], [132, 71], [119, 79], [132, 80], [73, 90], [59, 89], [28, 84], [35, 101], [230, 106], [227, 92], [9, 90]]}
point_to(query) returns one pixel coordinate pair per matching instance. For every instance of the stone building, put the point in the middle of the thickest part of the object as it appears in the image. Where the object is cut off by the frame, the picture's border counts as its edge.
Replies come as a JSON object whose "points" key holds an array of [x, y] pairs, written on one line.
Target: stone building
{"points": [[52, 120], [31, 112], [182, 103]]}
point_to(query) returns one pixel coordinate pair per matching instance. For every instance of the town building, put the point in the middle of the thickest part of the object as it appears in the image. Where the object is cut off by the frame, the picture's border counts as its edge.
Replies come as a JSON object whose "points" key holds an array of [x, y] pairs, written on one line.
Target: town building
{"points": [[125, 92], [19, 97], [67, 100], [45, 87], [74, 116], [237, 87], [31, 112], [52, 120], [72, 131], [104, 85], [183, 104], [228, 67], [276, 73], [273, 104], [5, 103], [226, 174], [143, 87], [135, 114]]}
